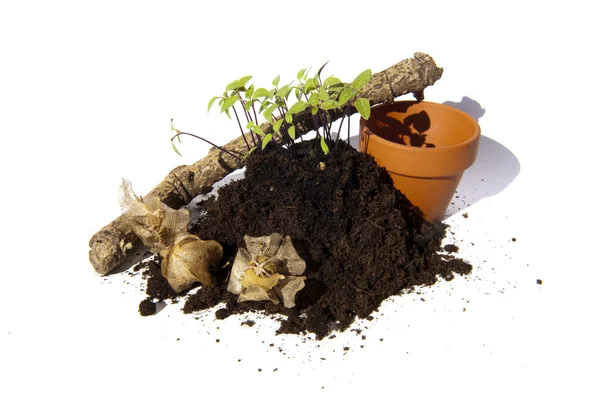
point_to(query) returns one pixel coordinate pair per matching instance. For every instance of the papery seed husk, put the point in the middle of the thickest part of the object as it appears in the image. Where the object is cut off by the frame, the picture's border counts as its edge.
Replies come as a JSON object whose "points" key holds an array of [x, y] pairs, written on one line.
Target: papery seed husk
{"points": [[257, 293], [242, 258], [189, 260], [294, 264], [153, 222], [288, 288]]}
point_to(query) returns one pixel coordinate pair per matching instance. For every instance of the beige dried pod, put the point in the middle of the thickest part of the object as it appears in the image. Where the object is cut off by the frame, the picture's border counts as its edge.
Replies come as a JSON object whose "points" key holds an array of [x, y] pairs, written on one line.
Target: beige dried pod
{"points": [[288, 288], [153, 222], [188, 261], [269, 268]]}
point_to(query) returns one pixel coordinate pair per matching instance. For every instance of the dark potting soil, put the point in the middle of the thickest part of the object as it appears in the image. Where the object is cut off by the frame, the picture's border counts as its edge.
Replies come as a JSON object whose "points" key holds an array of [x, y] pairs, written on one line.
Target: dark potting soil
{"points": [[147, 307], [363, 241]]}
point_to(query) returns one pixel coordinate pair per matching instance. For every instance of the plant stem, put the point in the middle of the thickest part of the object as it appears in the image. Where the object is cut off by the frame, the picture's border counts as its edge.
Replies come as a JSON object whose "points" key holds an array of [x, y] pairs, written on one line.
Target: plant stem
{"points": [[254, 110], [348, 110], [241, 130], [203, 139], [342, 123]]}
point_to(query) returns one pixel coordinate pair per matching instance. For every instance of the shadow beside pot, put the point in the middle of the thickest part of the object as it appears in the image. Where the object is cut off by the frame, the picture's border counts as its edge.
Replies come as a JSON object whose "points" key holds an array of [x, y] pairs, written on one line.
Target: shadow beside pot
{"points": [[493, 171]]}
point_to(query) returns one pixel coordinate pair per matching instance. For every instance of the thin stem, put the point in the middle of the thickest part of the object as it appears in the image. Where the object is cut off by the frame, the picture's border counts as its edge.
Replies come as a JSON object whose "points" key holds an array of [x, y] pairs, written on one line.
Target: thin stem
{"points": [[342, 123], [240, 125], [348, 110], [203, 139], [247, 119], [254, 110], [246, 114], [326, 131]]}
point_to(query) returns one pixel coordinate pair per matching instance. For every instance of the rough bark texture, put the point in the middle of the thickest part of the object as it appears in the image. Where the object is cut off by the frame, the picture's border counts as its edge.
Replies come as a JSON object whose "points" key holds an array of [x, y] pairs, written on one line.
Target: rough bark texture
{"points": [[109, 246]]}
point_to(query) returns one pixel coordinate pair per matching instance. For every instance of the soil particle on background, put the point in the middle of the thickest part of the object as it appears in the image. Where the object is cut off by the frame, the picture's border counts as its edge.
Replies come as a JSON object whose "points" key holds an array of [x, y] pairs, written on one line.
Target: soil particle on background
{"points": [[451, 248], [539, 282], [147, 307]]}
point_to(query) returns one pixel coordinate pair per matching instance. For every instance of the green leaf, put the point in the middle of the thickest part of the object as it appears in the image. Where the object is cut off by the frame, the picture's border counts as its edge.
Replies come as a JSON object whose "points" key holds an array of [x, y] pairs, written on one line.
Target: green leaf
{"points": [[276, 81], [233, 85], [248, 105], [175, 130], [277, 125], [298, 107], [292, 132], [288, 118], [175, 148], [244, 80], [266, 140], [211, 102], [336, 87], [361, 80], [310, 85], [228, 103], [313, 99], [314, 110], [258, 130], [345, 95], [321, 69], [332, 80], [324, 146], [262, 92], [330, 104], [364, 107], [264, 105], [284, 92], [250, 125], [323, 94], [268, 114], [300, 74], [249, 92]]}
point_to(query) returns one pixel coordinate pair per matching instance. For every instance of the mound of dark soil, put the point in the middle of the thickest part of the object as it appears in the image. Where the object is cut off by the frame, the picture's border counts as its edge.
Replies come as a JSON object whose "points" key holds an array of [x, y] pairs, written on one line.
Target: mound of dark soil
{"points": [[362, 239]]}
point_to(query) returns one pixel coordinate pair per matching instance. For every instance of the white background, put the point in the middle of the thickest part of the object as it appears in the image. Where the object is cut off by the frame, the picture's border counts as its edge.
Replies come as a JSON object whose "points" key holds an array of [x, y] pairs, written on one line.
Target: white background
{"points": [[87, 90]]}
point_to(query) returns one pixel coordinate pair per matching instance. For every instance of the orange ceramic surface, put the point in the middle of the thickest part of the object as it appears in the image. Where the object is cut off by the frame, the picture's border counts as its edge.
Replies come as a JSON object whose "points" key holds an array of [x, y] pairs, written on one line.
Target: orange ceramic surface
{"points": [[428, 175]]}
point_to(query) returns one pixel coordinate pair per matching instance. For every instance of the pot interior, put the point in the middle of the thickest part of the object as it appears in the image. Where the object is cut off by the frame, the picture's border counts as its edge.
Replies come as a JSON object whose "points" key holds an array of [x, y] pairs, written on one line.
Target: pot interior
{"points": [[421, 124]]}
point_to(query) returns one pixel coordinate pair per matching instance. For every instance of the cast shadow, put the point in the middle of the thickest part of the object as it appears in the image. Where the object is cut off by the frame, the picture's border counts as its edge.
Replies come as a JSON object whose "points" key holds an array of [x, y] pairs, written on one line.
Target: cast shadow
{"points": [[135, 255], [495, 168], [195, 214]]}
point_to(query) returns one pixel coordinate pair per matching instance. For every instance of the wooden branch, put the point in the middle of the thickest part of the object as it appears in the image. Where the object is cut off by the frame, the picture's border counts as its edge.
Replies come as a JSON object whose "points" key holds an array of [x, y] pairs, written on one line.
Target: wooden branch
{"points": [[109, 246]]}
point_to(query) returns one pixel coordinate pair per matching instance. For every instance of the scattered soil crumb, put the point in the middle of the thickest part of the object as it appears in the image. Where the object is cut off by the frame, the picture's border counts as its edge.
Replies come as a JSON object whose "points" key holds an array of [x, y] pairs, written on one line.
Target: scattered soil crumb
{"points": [[451, 248], [147, 307], [539, 282]]}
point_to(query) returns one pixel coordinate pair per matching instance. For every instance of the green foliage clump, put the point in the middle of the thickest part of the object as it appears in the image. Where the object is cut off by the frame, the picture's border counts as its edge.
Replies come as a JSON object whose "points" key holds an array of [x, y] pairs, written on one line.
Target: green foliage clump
{"points": [[320, 97]]}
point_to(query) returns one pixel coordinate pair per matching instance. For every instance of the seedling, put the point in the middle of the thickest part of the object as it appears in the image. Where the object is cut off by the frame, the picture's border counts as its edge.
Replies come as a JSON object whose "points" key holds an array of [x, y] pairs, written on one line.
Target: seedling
{"points": [[321, 97]]}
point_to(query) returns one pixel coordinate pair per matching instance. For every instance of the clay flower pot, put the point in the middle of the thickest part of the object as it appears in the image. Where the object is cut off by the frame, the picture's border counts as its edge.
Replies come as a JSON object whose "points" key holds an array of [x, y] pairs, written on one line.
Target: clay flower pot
{"points": [[425, 148]]}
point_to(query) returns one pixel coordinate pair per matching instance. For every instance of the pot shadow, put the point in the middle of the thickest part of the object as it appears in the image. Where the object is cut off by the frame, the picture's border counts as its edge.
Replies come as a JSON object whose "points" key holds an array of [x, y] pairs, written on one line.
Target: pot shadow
{"points": [[495, 168]]}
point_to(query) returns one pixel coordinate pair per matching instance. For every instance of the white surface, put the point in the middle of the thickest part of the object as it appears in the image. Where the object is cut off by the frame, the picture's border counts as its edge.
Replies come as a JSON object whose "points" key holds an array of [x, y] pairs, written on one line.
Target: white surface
{"points": [[86, 94]]}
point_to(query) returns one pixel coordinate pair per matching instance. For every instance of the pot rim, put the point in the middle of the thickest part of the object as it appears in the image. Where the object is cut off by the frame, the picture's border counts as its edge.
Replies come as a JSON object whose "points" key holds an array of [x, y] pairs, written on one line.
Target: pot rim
{"points": [[466, 143]]}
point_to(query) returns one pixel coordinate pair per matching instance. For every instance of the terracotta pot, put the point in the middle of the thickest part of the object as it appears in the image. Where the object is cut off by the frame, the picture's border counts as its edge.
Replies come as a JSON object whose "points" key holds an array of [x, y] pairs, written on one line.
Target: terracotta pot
{"points": [[444, 144]]}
